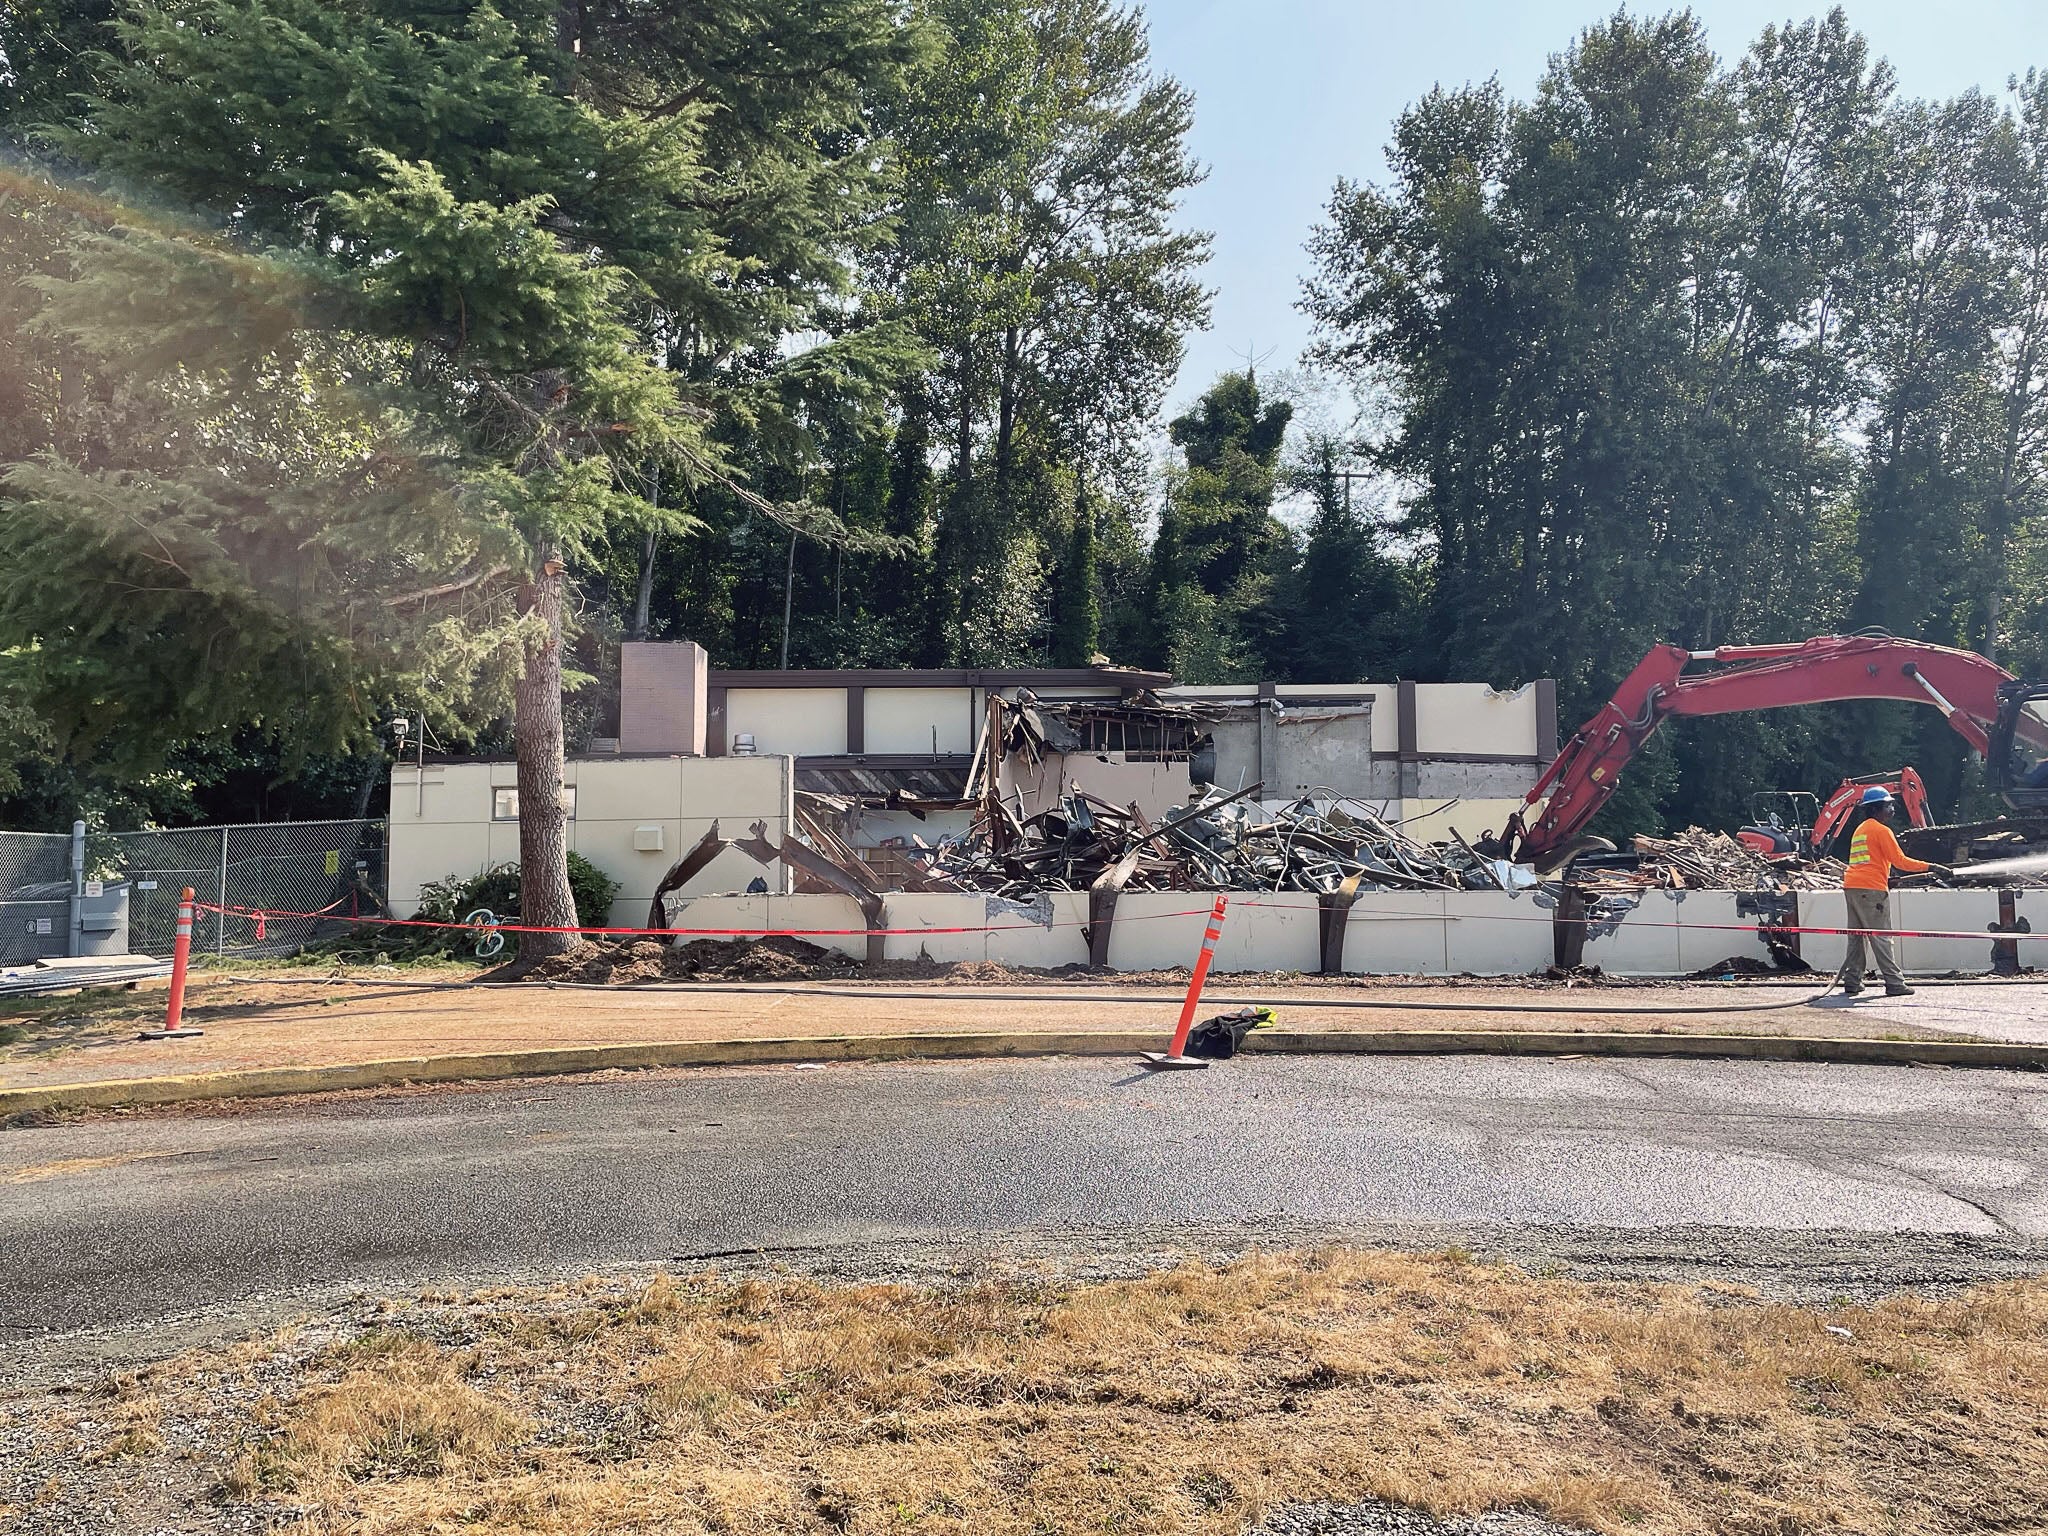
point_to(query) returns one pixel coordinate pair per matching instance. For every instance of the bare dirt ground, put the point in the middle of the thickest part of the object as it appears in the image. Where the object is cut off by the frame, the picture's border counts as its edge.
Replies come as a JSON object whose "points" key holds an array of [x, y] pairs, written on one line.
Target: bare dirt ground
{"points": [[283, 1016], [1284, 1389]]}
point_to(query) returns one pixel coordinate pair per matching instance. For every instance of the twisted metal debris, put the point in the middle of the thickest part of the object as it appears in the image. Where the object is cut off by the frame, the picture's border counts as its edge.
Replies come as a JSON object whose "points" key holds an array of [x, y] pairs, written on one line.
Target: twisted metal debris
{"points": [[1225, 842]]}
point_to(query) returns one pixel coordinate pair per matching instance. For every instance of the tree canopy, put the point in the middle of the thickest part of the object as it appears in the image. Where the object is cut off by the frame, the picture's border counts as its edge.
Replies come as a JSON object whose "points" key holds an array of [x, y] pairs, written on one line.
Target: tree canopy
{"points": [[411, 353]]}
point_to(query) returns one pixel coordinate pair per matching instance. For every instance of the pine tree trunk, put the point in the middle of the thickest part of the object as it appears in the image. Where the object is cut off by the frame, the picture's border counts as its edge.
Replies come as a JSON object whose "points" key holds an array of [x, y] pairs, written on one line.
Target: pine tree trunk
{"points": [[1006, 422], [643, 599], [537, 748]]}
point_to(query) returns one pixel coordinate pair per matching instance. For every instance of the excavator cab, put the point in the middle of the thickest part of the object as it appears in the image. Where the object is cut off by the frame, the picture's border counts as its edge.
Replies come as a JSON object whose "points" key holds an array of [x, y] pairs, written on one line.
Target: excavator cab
{"points": [[2019, 746], [1780, 825]]}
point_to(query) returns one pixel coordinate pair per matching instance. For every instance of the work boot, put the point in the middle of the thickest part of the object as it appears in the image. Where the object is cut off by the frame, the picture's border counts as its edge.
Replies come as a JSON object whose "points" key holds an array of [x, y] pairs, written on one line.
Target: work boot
{"points": [[1899, 991], [1852, 989]]}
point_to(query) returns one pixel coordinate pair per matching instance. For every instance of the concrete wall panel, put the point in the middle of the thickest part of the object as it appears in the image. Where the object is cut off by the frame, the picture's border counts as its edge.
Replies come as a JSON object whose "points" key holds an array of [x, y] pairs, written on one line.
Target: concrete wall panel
{"points": [[1971, 912], [1491, 933], [906, 721], [1017, 938], [1642, 943], [501, 839], [1458, 718], [1322, 748], [1714, 931], [1397, 933], [802, 722], [815, 914], [715, 912], [1823, 909], [2032, 905], [622, 788], [430, 853], [1265, 931], [937, 912], [738, 790], [1143, 939], [609, 845]]}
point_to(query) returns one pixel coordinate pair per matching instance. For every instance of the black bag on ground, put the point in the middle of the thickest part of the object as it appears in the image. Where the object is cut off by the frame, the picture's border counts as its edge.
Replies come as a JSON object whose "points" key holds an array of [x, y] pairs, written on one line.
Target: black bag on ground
{"points": [[1220, 1038]]}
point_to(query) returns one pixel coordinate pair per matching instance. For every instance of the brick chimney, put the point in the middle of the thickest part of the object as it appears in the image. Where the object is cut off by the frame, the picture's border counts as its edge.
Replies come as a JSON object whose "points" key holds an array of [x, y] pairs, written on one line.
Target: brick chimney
{"points": [[664, 690]]}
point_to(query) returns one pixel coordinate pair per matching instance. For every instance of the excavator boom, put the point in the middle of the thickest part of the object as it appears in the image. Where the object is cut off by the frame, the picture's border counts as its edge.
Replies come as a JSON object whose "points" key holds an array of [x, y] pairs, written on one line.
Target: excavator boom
{"points": [[1981, 700], [1906, 786]]}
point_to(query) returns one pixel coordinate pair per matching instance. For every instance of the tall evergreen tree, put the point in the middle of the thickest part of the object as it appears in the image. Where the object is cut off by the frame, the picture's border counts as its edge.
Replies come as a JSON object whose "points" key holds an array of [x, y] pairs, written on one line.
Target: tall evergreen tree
{"points": [[1679, 350], [1347, 610], [1038, 252], [2019, 234], [1220, 552], [1077, 612], [583, 231]]}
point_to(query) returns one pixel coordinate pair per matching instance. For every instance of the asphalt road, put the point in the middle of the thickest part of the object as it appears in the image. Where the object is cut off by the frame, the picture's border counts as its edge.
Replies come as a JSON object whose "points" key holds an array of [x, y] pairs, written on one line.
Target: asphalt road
{"points": [[124, 1221]]}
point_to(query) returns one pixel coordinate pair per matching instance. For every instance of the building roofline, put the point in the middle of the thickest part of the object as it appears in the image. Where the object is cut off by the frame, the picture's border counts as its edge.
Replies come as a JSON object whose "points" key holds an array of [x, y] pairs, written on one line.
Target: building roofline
{"points": [[1128, 679]]}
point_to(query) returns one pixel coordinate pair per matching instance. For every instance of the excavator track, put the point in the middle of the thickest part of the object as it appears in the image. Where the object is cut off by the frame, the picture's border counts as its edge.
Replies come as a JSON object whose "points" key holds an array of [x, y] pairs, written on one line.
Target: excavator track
{"points": [[1960, 844]]}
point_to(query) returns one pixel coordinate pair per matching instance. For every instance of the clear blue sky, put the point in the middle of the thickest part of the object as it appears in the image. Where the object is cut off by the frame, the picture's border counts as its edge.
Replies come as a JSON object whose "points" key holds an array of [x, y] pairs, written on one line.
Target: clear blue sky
{"points": [[1292, 94]]}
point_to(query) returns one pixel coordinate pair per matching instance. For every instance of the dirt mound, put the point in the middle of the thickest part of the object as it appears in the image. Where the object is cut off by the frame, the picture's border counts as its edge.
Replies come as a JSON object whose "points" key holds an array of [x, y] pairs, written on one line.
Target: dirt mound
{"points": [[769, 959], [643, 960]]}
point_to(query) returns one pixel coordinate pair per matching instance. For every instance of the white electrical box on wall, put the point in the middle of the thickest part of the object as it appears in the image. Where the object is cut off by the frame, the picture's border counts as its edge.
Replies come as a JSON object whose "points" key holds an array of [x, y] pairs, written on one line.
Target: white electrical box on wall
{"points": [[647, 839]]}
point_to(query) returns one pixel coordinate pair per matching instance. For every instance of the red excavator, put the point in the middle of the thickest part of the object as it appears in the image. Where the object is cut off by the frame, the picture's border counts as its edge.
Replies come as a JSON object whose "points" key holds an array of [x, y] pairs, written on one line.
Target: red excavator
{"points": [[2002, 718], [1791, 824]]}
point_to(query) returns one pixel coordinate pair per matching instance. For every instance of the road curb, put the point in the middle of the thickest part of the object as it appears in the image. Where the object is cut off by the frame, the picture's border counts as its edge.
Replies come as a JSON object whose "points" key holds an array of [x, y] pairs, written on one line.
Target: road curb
{"points": [[1812, 1048], [274, 1082]]}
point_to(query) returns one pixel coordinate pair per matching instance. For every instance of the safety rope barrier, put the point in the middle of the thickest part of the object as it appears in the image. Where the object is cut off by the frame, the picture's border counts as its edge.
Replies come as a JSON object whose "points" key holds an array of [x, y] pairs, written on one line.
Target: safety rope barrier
{"points": [[264, 915], [1174, 1057]]}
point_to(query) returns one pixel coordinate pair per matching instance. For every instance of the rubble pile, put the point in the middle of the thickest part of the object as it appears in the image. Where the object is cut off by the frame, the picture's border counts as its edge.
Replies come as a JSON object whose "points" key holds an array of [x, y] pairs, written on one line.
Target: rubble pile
{"points": [[1037, 829], [1226, 843], [1699, 860]]}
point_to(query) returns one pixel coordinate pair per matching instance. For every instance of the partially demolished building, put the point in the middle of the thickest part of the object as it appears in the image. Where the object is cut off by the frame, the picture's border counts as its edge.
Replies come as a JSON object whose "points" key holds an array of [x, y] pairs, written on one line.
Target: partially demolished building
{"points": [[920, 773], [1048, 817]]}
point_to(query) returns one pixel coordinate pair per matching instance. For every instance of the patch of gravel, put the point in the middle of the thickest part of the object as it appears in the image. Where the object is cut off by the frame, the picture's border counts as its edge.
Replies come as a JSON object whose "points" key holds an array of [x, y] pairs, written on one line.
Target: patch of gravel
{"points": [[1374, 1518]]}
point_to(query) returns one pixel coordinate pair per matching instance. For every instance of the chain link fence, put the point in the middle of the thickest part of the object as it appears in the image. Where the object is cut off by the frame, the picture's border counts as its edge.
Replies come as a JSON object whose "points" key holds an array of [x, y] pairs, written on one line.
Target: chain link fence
{"points": [[35, 896], [331, 869]]}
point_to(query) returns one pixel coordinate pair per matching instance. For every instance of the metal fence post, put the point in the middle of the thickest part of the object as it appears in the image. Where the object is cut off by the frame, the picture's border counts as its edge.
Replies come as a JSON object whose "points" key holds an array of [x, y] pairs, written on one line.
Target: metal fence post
{"points": [[220, 918], [74, 938]]}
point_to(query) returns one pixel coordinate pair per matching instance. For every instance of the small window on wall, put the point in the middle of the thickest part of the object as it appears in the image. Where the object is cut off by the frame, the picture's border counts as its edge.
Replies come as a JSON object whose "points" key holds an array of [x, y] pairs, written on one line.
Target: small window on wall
{"points": [[505, 803]]}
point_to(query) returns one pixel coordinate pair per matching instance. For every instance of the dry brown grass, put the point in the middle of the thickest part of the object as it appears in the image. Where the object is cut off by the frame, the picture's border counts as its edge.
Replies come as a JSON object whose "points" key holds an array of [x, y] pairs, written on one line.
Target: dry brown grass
{"points": [[1187, 1401]]}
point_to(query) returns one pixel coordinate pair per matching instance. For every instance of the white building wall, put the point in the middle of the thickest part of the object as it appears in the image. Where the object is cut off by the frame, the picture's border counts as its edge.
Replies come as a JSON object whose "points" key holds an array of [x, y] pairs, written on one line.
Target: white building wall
{"points": [[668, 803], [800, 722], [1471, 719], [1403, 933], [908, 721]]}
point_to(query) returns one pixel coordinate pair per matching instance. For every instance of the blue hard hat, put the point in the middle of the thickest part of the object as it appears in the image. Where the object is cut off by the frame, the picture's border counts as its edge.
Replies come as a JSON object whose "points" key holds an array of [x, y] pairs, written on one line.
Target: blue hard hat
{"points": [[1877, 794]]}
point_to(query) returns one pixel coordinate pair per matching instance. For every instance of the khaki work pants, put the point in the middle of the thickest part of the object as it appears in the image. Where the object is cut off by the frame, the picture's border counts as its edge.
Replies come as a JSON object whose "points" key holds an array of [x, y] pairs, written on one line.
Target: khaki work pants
{"points": [[1871, 910]]}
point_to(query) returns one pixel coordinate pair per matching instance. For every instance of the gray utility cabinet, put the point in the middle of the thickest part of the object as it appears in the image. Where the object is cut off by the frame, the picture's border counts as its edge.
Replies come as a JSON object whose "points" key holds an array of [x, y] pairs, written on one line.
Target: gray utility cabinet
{"points": [[102, 919]]}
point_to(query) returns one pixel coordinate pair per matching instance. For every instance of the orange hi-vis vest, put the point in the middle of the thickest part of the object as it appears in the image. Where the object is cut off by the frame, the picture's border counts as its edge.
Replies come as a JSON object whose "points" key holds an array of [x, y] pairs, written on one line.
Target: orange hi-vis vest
{"points": [[1873, 854]]}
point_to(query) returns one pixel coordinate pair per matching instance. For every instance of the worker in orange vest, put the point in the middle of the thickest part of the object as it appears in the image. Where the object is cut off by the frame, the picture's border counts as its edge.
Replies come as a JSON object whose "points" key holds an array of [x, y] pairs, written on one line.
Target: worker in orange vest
{"points": [[1873, 854]]}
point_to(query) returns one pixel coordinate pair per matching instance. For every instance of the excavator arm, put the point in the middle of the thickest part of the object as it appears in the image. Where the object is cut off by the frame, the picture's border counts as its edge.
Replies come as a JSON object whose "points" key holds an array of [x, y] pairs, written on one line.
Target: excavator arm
{"points": [[1906, 785], [1966, 688]]}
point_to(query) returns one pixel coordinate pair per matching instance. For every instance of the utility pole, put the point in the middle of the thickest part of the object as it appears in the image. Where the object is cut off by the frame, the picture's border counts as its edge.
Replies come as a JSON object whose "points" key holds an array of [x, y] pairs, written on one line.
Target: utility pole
{"points": [[788, 595], [1252, 358], [1347, 476]]}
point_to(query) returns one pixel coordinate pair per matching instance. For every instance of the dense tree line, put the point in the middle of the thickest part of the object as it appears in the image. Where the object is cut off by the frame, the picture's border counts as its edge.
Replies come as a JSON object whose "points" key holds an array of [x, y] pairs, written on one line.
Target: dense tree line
{"points": [[402, 354], [1709, 352]]}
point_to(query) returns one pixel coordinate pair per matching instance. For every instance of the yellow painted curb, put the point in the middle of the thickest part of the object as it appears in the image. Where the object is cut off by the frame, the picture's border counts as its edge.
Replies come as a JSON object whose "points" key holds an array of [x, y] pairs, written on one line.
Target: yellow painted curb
{"points": [[1815, 1048], [274, 1081]]}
